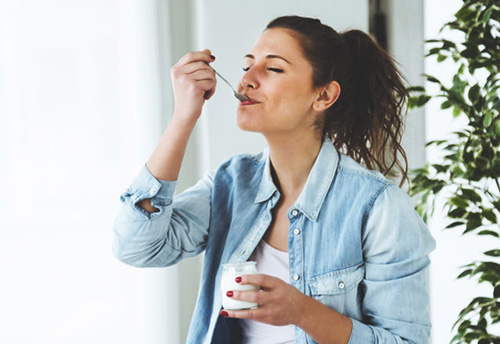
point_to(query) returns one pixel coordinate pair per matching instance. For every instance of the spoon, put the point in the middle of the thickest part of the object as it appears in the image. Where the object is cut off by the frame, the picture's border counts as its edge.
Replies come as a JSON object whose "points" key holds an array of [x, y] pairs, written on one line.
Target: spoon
{"points": [[239, 96]]}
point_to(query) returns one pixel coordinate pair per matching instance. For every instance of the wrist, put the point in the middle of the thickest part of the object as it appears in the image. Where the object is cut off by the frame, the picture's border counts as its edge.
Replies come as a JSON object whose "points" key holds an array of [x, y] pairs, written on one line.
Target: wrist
{"points": [[185, 118], [305, 307], [322, 323]]}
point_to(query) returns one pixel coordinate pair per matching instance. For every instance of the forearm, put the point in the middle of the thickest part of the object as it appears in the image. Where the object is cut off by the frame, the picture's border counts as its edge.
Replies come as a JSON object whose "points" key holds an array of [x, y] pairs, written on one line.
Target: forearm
{"points": [[322, 323], [166, 160]]}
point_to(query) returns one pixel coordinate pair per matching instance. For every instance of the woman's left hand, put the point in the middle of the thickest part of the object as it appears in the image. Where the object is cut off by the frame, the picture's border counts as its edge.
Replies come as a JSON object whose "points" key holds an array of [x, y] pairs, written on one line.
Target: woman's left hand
{"points": [[280, 302]]}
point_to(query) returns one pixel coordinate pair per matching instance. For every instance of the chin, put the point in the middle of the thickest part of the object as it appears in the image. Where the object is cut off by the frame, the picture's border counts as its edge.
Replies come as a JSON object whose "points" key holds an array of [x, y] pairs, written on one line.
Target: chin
{"points": [[245, 122]]}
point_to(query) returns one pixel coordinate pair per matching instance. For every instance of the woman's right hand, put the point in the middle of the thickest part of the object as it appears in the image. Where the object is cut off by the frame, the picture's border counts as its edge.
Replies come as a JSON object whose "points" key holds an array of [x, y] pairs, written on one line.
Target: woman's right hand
{"points": [[193, 82]]}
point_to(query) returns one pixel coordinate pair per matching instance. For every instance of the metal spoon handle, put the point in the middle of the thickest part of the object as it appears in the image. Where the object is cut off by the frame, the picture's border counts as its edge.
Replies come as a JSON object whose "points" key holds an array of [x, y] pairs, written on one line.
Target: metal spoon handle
{"points": [[224, 79], [238, 95]]}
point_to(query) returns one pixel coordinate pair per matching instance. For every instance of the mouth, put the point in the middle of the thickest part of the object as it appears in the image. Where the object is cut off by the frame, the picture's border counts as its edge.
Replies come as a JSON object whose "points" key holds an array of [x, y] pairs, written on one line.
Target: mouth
{"points": [[250, 101]]}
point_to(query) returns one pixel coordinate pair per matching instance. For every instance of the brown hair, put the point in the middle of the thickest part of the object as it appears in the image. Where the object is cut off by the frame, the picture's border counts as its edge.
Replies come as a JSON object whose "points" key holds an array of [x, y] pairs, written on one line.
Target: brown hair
{"points": [[366, 121]]}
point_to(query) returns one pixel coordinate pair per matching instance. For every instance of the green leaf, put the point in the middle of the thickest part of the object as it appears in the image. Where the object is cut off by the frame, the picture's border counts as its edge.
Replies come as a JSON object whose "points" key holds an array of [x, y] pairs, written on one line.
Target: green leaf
{"points": [[490, 215], [464, 273], [489, 232], [415, 89], [457, 213], [456, 111], [418, 101], [473, 222], [497, 128], [459, 202], [486, 16], [493, 253], [464, 13], [446, 105], [488, 118], [471, 195], [455, 224], [441, 58], [430, 78], [496, 291], [474, 93]]}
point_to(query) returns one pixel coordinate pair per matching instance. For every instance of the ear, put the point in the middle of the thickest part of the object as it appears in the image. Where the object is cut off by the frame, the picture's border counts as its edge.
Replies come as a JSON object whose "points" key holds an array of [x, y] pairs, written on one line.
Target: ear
{"points": [[327, 96]]}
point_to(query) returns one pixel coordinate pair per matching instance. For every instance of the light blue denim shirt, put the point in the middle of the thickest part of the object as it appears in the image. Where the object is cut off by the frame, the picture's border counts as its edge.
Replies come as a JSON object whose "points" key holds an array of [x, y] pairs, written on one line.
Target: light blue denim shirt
{"points": [[355, 242]]}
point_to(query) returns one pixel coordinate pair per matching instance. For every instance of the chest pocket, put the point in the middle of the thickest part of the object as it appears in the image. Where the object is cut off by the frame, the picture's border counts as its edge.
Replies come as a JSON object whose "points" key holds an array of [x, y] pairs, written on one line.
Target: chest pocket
{"points": [[339, 289]]}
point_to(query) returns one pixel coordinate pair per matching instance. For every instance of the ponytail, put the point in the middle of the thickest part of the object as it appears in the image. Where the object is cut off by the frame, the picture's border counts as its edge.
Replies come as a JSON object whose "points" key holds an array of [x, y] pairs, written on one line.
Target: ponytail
{"points": [[366, 121]]}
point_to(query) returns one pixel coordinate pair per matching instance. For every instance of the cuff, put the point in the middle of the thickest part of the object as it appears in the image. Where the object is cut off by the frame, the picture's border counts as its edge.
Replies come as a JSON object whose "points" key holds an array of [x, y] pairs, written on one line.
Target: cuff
{"points": [[361, 333], [145, 185]]}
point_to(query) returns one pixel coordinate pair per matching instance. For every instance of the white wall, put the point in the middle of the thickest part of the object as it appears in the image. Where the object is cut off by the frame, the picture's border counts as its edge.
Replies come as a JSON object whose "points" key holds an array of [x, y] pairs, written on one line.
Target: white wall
{"points": [[405, 21], [230, 29]]}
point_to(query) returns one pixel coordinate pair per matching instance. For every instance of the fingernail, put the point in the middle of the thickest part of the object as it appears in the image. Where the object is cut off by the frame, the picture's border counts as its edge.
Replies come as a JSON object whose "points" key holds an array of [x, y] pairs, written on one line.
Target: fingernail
{"points": [[238, 279], [224, 313], [229, 294], [212, 57]]}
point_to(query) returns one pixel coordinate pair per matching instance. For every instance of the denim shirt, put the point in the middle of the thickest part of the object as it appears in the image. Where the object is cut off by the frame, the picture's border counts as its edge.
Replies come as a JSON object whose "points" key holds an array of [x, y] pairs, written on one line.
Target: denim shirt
{"points": [[355, 242]]}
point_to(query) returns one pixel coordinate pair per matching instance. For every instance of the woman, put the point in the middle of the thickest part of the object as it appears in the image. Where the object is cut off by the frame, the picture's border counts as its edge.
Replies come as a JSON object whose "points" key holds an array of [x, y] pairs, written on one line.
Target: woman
{"points": [[341, 253]]}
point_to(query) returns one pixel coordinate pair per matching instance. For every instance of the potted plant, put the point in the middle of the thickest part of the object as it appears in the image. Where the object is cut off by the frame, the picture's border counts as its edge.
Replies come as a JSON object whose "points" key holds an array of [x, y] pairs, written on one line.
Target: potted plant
{"points": [[467, 178]]}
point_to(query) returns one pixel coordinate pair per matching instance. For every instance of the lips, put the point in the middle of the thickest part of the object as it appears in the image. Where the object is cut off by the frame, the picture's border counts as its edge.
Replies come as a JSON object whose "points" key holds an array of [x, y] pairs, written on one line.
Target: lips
{"points": [[250, 101]]}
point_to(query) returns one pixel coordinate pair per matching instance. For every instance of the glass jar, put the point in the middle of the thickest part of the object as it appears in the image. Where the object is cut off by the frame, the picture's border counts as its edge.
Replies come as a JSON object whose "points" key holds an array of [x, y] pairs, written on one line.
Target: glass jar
{"points": [[228, 282]]}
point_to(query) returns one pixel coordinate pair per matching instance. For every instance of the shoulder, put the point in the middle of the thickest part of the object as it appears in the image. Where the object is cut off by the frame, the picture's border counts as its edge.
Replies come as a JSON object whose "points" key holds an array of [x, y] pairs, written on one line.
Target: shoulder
{"points": [[239, 162], [349, 166], [241, 167], [359, 179]]}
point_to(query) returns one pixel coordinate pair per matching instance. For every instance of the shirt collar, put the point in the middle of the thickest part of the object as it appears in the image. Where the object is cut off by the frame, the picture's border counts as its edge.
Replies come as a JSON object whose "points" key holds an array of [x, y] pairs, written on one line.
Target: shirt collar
{"points": [[267, 187], [317, 185]]}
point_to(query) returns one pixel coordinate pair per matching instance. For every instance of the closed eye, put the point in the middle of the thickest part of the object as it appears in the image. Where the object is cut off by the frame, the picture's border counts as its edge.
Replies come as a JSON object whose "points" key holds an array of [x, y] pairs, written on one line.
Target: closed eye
{"points": [[276, 70]]}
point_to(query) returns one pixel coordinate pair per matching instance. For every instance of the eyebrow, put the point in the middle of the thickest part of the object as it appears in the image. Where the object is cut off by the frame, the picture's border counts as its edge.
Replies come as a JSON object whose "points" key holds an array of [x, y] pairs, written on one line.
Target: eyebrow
{"points": [[270, 56]]}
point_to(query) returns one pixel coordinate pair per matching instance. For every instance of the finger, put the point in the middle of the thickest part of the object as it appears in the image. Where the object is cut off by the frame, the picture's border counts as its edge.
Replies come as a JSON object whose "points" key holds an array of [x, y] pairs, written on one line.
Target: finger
{"points": [[241, 314], [207, 85], [203, 74], [204, 55], [193, 67], [265, 281], [249, 296], [209, 94]]}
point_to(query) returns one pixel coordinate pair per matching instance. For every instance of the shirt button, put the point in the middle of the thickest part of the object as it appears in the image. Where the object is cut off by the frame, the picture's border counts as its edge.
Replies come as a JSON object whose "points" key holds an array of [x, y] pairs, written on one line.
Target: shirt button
{"points": [[295, 212], [296, 231], [296, 277], [341, 285], [152, 191]]}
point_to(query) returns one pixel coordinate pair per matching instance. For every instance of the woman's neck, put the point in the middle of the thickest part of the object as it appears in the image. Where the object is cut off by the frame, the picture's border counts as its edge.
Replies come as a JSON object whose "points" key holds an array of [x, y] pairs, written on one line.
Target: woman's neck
{"points": [[292, 160]]}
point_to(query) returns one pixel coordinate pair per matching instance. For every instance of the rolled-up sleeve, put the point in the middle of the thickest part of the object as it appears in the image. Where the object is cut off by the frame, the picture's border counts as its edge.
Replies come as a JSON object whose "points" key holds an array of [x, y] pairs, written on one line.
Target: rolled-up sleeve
{"points": [[396, 245], [178, 230]]}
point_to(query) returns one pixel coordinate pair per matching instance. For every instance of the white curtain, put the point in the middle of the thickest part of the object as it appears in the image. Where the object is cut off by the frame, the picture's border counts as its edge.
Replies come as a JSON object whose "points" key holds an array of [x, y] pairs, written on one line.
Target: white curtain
{"points": [[80, 112]]}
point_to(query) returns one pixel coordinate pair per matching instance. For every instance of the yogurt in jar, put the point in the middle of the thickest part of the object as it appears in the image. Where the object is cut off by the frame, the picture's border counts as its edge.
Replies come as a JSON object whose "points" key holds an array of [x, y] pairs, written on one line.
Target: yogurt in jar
{"points": [[228, 282]]}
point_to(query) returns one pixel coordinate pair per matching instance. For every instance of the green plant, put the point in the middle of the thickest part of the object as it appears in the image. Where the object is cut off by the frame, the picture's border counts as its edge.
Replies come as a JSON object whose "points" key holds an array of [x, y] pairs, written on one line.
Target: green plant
{"points": [[467, 177]]}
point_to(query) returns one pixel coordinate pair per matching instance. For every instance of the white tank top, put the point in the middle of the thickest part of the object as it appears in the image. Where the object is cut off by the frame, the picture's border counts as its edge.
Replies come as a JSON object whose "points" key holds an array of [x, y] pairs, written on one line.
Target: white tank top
{"points": [[270, 261]]}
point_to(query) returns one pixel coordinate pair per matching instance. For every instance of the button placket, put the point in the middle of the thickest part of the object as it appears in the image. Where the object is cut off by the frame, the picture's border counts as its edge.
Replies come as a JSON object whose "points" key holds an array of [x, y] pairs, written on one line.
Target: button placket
{"points": [[296, 254]]}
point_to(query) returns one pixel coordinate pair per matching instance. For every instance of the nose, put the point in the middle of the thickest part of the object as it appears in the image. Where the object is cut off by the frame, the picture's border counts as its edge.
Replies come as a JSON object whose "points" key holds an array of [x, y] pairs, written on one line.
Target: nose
{"points": [[249, 80]]}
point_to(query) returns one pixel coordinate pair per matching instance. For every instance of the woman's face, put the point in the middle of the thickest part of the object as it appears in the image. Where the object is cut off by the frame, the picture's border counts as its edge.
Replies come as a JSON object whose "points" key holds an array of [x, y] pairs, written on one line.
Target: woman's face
{"points": [[278, 79]]}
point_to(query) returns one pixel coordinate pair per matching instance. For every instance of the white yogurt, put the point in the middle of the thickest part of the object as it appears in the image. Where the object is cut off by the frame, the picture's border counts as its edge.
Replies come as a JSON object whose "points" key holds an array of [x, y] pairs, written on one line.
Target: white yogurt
{"points": [[228, 282]]}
